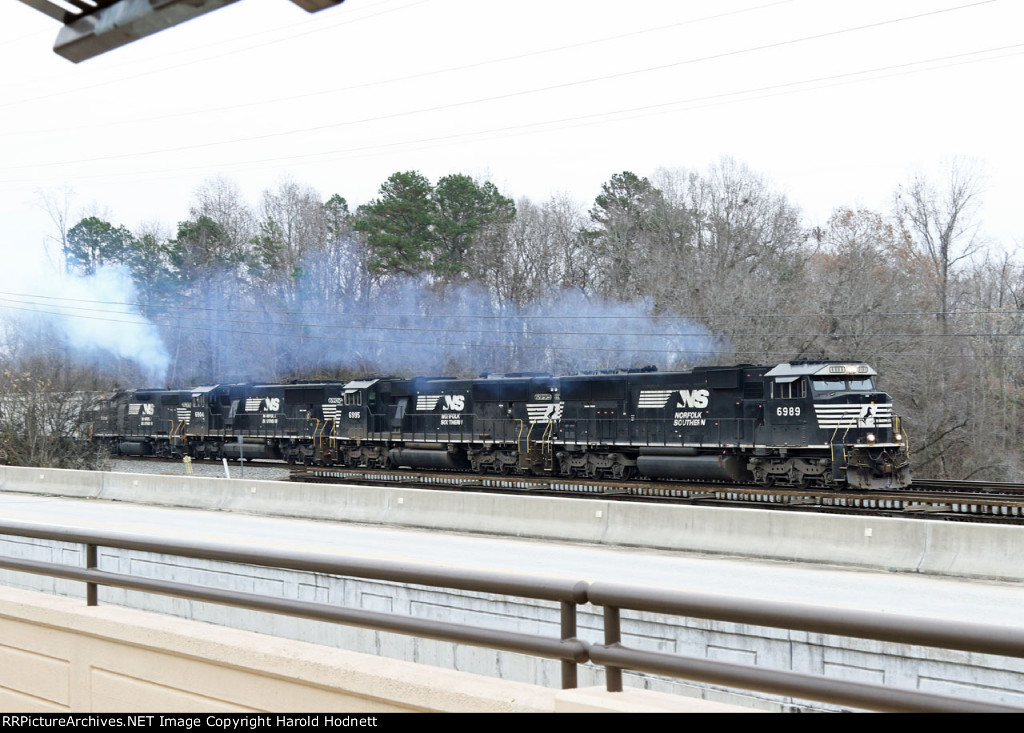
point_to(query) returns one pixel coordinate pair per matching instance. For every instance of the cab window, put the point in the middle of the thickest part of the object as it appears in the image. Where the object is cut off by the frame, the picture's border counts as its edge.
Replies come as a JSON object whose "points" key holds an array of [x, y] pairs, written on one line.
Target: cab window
{"points": [[789, 388], [828, 384], [353, 398], [835, 384], [864, 384]]}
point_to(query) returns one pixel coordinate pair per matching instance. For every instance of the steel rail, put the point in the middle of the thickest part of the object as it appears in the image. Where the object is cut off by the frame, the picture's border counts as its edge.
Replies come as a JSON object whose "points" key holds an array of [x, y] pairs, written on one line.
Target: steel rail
{"points": [[994, 506]]}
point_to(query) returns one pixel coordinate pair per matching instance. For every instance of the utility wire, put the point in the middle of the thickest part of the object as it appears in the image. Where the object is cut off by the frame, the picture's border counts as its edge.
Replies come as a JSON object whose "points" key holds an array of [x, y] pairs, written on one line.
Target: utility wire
{"points": [[508, 95], [575, 121], [359, 323], [679, 352], [397, 79], [16, 295]]}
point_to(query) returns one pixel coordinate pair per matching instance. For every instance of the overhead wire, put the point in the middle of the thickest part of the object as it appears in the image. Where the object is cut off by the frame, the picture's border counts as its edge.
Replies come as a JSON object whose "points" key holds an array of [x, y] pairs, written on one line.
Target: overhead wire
{"points": [[408, 77], [679, 352], [710, 316], [555, 87], [567, 122], [14, 294], [272, 330]]}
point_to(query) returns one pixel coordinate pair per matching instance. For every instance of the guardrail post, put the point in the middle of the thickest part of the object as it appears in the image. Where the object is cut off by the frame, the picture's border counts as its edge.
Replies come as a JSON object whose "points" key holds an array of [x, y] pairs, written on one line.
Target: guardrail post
{"points": [[612, 636], [91, 596], [569, 678]]}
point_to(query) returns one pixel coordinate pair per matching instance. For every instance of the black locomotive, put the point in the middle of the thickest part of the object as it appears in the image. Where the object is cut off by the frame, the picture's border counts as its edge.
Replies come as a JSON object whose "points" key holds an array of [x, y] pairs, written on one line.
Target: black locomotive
{"points": [[794, 424]]}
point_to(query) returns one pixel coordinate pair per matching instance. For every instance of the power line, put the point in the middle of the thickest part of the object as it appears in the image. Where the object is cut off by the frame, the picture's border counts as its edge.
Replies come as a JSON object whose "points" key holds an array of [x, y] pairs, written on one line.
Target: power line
{"points": [[519, 344], [359, 324], [701, 102], [15, 295], [396, 79], [510, 95], [677, 353]]}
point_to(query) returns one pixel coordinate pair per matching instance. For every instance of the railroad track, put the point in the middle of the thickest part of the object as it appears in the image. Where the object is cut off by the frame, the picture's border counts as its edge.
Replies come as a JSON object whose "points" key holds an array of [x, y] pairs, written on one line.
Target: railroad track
{"points": [[968, 487], [952, 500]]}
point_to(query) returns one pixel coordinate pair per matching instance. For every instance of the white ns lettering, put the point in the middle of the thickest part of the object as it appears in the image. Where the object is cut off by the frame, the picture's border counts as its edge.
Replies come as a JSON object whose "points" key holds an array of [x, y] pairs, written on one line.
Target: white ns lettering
{"points": [[696, 398]]}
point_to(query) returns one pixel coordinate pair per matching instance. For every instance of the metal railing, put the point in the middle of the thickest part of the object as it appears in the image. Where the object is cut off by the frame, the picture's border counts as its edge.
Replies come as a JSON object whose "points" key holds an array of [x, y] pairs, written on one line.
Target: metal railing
{"points": [[567, 648]]}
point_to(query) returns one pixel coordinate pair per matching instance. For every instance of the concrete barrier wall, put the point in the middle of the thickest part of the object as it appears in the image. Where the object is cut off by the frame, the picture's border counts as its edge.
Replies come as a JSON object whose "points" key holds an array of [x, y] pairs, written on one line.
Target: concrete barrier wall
{"points": [[905, 545], [58, 655]]}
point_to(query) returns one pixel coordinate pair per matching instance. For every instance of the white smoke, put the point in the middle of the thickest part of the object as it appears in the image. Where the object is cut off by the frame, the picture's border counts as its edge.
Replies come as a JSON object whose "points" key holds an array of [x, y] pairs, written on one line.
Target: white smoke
{"points": [[94, 316], [408, 328]]}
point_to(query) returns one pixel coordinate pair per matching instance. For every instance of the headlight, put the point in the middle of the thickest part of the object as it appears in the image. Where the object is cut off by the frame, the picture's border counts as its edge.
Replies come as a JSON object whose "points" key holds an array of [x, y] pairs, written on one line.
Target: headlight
{"points": [[898, 437], [871, 437]]}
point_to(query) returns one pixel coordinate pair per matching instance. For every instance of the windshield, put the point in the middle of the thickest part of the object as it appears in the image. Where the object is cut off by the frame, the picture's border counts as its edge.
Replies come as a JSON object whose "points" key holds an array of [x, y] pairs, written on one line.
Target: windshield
{"points": [[835, 384]]}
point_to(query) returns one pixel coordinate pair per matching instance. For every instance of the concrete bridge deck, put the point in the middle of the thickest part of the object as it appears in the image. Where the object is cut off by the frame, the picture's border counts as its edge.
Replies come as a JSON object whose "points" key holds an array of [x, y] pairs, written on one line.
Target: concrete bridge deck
{"points": [[906, 566]]}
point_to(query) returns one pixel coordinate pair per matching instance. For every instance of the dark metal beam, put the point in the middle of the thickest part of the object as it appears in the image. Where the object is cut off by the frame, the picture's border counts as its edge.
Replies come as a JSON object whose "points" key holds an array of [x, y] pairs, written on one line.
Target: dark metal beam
{"points": [[45, 6], [95, 27], [126, 21]]}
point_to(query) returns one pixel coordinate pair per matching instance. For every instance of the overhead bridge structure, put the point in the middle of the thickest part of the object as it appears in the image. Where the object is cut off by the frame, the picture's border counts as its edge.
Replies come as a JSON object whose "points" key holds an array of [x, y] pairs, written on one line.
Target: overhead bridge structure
{"points": [[93, 27]]}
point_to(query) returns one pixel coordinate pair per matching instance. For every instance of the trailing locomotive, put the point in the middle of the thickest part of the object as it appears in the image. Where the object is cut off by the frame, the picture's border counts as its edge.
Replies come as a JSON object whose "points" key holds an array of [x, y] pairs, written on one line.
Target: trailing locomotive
{"points": [[794, 424]]}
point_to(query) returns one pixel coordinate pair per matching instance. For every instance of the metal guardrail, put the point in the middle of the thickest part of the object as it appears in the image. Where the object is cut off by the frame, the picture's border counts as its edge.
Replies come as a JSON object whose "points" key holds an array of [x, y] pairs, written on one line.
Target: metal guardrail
{"points": [[571, 651]]}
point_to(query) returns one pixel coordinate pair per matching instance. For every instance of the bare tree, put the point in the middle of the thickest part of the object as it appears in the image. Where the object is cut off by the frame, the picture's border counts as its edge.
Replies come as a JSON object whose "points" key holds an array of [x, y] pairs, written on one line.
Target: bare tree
{"points": [[293, 221], [220, 201], [44, 409], [943, 222], [539, 254], [863, 271], [57, 205]]}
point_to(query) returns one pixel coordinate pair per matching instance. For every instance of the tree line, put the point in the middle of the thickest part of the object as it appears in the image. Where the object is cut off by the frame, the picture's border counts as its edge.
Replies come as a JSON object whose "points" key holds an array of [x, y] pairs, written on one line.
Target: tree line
{"points": [[713, 266]]}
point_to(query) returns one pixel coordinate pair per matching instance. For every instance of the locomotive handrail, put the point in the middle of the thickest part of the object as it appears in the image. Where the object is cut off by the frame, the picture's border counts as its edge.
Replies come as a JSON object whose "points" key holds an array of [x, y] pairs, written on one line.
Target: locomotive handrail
{"points": [[849, 426], [317, 439], [569, 593], [545, 439], [898, 427], [178, 432]]}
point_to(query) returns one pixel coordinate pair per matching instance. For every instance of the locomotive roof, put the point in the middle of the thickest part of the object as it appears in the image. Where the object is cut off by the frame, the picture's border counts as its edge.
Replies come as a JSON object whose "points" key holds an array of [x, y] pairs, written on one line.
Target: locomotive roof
{"points": [[360, 384], [822, 369]]}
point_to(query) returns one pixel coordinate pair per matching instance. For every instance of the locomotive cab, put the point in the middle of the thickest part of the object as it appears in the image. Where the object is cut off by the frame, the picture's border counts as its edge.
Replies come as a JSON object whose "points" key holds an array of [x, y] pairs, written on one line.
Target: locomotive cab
{"points": [[828, 423]]}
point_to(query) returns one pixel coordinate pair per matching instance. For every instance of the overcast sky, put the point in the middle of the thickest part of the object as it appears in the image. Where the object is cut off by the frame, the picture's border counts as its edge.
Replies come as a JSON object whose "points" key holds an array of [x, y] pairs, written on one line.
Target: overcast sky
{"points": [[835, 102]]}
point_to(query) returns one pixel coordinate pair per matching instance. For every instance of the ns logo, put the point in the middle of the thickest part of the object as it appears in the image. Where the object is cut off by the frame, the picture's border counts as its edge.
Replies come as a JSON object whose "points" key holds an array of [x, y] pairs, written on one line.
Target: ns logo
{"points": [[693, 398], [272, 404], [454, 402]]}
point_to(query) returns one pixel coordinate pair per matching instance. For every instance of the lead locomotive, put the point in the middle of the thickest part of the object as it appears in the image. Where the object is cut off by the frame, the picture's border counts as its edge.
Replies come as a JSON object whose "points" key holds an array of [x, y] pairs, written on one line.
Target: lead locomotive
{"points": [[794, 424]]}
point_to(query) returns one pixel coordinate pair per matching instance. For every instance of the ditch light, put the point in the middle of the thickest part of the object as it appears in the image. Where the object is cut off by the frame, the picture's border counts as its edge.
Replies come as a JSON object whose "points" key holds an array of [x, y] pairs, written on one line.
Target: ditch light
{"points": [[93, 27]]}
